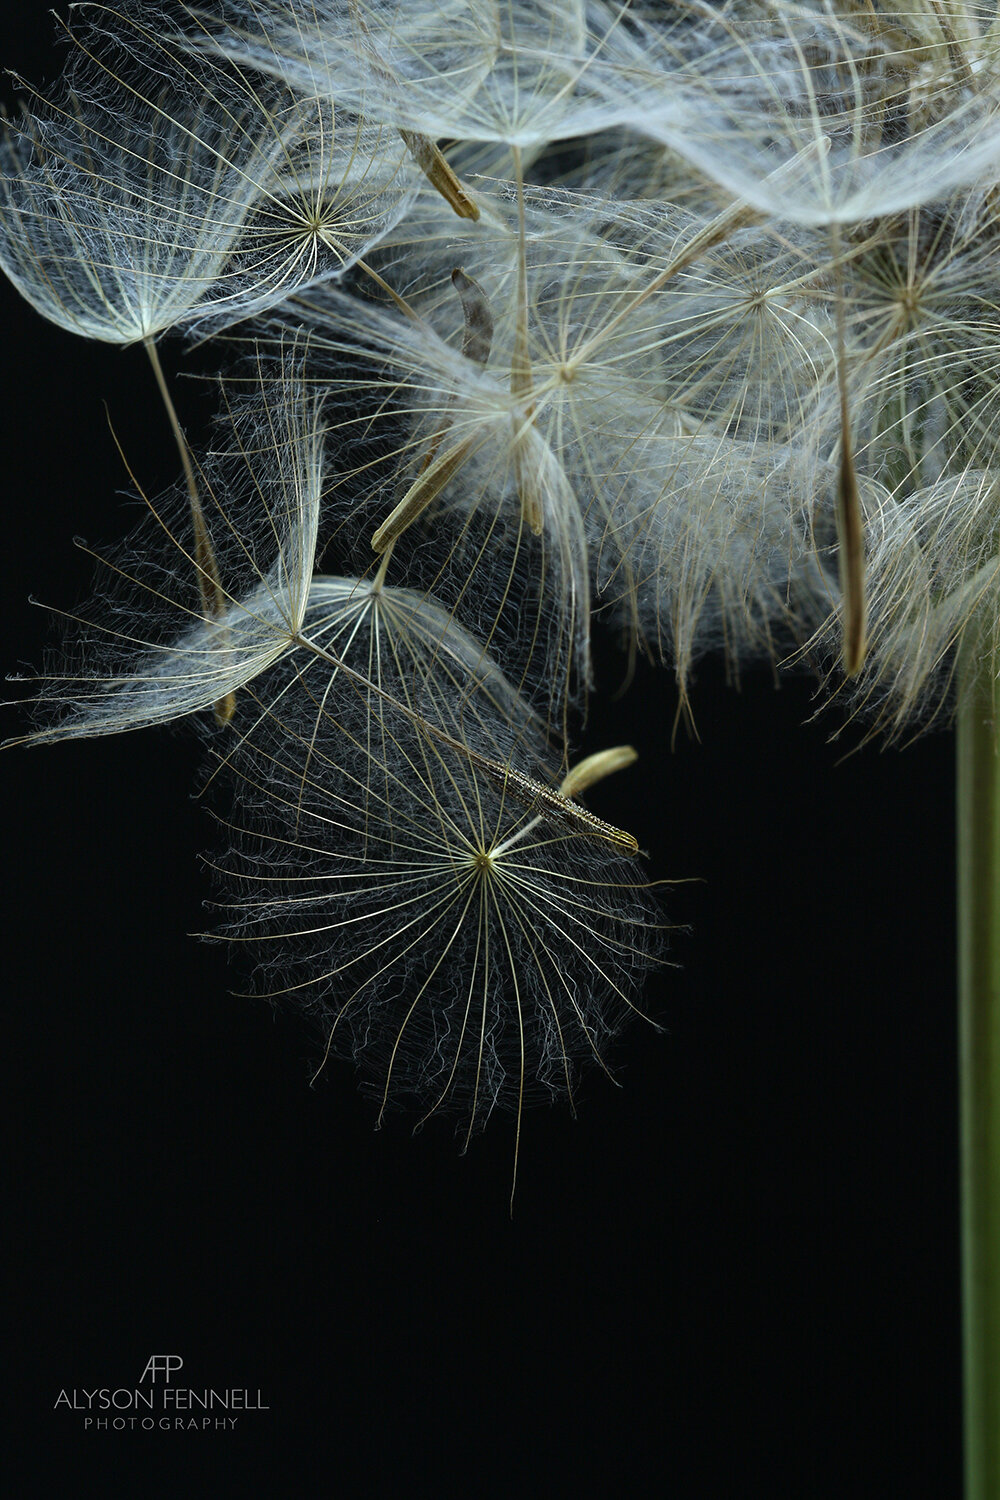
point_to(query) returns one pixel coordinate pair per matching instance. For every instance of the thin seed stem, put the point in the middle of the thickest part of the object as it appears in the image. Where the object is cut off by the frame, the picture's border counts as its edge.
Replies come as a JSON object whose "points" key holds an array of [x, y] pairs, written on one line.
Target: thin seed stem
{"points": [[383, 567], [213, 597], [439, 174]]}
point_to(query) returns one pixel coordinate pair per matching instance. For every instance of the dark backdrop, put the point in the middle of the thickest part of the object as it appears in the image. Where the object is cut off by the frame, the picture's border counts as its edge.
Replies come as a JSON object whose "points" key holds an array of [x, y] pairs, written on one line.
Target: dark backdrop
{"points": [[736, 1275]]}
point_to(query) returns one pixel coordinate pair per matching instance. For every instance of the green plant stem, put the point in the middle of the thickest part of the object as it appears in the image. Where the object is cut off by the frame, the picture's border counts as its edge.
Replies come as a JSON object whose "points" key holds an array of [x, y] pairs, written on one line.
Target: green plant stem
{"points": [[978, 841]]}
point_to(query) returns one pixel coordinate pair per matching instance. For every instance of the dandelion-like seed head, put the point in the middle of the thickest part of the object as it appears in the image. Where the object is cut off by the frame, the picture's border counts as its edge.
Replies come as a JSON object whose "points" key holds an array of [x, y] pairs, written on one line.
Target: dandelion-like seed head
{"points": [[467, 932], [690, 313]]}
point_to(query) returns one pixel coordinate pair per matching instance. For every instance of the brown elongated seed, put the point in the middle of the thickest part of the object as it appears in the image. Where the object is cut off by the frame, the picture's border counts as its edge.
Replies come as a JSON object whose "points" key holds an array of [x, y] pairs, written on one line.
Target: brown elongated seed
{"points": [[213, 600], [224, 710], [423, 150], [851, 537], [526, 483], [438, 173], [425, 488], [532, 794], [477, 339], [521, 388], [520, 364], [850, 526], [538, 798], [594, 768]]}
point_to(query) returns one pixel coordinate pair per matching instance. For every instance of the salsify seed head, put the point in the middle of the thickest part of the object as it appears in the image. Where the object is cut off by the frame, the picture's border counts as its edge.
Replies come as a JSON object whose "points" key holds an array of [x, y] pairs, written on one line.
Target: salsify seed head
{"points": [[469, 935], [683, 313]]}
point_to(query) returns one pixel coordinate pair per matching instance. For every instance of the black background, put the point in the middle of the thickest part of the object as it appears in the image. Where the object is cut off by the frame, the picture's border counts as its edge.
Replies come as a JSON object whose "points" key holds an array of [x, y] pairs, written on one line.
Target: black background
{"points": [[735, 1275]]}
